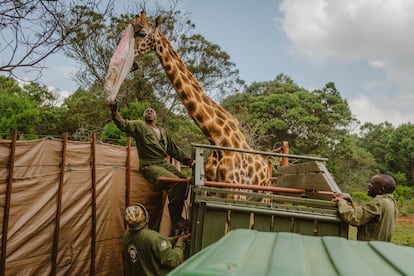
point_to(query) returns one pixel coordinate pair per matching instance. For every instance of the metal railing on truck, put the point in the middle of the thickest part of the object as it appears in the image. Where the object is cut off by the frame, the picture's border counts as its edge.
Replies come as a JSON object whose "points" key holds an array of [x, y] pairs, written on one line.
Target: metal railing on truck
{"points": [[300, 204]]}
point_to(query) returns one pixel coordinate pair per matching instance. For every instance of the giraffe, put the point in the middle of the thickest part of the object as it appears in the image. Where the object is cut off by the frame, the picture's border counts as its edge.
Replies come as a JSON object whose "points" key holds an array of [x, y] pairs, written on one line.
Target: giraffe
{"points": [[217, 124]]}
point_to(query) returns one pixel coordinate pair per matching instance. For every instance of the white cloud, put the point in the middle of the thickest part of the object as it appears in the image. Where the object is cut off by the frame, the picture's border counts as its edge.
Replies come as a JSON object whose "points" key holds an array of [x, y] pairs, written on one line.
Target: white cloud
{"points": [[376, 32], [367, 111]]}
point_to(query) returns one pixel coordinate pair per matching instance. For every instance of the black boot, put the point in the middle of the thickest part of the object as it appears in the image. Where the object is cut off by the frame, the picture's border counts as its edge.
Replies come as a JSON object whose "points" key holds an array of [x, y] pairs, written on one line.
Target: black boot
{"points": [[176, 208]]}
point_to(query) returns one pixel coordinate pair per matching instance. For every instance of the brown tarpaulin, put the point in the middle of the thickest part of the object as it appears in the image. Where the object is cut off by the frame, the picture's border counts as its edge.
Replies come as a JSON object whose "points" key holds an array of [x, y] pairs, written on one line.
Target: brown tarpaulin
{"points": [[36, 174]]}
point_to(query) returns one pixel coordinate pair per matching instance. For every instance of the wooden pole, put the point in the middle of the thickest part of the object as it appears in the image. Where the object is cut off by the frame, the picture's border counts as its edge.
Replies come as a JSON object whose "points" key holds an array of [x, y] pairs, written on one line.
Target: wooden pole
{"points": [[7, 204], [59, 205], [93, 232]]}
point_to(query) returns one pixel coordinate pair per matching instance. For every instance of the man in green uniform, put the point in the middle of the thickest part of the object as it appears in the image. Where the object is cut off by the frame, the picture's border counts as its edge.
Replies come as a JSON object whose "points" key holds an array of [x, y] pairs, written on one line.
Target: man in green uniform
{"points": [[147, 252], [153, 145], [375, 219]]}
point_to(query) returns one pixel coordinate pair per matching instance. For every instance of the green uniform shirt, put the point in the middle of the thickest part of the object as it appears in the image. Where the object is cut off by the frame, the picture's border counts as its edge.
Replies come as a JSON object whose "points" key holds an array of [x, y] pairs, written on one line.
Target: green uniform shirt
{"points": [[375, 219], [147, 252], [151, 150]]}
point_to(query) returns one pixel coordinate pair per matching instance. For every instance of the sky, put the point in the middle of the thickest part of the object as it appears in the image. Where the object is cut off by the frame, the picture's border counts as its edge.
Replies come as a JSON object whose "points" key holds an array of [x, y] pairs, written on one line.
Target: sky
{"points": [[364, 46]]}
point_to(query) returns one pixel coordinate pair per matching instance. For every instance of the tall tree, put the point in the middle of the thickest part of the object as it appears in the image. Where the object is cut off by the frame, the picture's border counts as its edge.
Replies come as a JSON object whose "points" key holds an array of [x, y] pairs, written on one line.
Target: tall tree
{"points": [[279, 110]]}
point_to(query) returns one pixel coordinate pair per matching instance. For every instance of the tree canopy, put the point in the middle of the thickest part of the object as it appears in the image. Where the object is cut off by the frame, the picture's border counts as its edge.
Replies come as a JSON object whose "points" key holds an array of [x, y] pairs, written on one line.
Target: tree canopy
{"points": [[279, 110]]}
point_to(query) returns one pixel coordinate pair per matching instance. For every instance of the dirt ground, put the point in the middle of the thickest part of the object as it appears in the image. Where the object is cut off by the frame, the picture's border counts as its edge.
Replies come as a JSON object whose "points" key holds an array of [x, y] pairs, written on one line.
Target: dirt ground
{"points": [[409, 219]]}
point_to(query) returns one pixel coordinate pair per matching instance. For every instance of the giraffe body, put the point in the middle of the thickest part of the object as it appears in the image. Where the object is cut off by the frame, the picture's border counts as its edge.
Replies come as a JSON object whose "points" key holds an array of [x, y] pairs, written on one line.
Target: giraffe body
{"points": [[218, 125]]}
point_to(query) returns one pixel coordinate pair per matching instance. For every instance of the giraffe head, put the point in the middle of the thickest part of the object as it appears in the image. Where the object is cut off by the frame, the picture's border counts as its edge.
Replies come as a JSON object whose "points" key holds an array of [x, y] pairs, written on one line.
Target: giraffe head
{"points": [[145, 34]]}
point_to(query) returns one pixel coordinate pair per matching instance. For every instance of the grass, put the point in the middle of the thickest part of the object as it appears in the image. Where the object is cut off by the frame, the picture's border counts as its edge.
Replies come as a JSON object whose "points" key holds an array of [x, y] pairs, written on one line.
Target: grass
{"points": [[403, 234]]}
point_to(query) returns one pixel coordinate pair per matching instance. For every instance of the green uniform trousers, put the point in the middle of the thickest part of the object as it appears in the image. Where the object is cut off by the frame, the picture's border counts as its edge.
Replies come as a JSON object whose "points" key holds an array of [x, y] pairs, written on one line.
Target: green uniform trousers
{"points": [[176, 191]]}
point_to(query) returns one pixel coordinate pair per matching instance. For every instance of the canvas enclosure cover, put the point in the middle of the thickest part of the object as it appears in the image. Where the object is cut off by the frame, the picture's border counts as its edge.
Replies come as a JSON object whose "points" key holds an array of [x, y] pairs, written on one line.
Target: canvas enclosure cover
{"points": [[92, 191]]}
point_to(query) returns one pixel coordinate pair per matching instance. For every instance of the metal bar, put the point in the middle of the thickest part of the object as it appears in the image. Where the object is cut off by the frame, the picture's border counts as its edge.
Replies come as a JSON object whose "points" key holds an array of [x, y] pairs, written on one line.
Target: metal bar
{"points": [[261, 152], [59, 205], [93, 232], [7, 204], [309, 216], [199, 174], [254, 187], [202, 196], [244, 186]]}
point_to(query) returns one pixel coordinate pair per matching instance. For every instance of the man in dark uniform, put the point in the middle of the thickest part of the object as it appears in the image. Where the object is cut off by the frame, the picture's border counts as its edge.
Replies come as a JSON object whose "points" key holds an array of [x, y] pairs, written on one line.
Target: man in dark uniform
{"points": [[153, 145], [375, 219], [147, 252]]}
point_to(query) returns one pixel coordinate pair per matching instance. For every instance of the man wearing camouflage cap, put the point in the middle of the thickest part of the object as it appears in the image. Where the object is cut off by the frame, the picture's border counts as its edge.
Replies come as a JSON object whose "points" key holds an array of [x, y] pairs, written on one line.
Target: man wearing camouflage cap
{"points": [[147, 252]]}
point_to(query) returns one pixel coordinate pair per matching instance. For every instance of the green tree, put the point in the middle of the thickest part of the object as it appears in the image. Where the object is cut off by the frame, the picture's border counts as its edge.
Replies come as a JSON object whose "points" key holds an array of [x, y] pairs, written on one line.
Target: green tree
{"points": [[353, 170], [185, 132], [84, 112], [400, 151], [50, 114], [112, 135], [19, 111], [373, 138], [312, 122]]}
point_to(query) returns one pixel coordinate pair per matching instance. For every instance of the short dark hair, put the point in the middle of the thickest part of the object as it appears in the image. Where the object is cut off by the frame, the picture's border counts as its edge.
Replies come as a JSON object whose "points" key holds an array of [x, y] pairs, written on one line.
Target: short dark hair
{"points": [[388, 183]]}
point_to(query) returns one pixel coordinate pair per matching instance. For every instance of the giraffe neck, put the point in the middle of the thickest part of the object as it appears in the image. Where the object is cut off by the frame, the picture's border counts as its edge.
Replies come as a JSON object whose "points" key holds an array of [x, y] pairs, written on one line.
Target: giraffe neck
{"points": [[218, 125]]}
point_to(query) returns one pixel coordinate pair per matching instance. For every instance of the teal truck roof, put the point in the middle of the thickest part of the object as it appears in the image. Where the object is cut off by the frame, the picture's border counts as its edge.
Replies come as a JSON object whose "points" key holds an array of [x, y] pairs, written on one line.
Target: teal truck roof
{"points": [[249, 252]]}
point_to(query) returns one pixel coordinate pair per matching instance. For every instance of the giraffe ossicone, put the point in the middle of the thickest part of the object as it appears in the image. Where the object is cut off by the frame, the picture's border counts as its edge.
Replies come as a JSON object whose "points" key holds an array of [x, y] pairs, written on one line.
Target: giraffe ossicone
{"points": [[217, 124]]}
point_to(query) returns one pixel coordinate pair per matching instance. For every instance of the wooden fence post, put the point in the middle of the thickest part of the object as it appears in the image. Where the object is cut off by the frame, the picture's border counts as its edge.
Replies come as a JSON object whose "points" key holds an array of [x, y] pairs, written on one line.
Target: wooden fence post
{"points": [[93, 232], [59, 205], [7, 204]]}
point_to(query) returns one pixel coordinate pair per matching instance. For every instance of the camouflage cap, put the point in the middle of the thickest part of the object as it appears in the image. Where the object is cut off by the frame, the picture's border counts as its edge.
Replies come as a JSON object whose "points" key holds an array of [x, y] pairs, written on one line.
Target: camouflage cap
{"points": [[136, 216]]}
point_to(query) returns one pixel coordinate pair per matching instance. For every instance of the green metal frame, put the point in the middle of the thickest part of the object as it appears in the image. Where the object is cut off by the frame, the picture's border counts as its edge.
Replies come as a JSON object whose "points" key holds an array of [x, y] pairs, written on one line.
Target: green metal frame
{"points": [[214, 212], [213, 215]]}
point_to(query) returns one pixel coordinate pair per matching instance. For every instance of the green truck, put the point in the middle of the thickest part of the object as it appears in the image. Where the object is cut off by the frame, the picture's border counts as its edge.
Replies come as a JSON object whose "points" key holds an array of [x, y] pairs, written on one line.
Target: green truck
{"points": [[298, 201]]}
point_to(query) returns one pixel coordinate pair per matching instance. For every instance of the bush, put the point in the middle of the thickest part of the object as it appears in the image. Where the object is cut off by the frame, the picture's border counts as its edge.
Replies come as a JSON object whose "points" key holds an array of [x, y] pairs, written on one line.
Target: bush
{"points": [[405, 207], [359, 197], [402, 192]]}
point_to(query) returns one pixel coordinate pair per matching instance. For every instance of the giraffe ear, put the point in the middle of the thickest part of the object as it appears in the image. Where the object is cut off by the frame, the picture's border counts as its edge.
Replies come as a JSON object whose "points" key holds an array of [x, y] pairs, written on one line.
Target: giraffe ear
{"points": [[158, 21]]}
